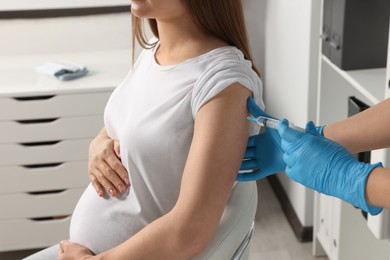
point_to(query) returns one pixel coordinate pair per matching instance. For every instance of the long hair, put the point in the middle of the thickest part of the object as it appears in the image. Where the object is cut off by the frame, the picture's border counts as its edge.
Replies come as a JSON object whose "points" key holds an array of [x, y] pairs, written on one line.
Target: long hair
{"points": [[222, 18]]}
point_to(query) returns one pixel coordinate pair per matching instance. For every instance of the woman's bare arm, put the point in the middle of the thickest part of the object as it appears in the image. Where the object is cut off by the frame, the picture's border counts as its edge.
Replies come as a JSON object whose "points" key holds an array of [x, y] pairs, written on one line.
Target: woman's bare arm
{"points": [[220, 136]]}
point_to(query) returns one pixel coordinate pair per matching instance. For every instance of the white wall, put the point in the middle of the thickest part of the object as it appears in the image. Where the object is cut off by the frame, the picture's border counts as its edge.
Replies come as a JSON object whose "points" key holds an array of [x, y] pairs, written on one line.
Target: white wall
{"points": [[285, 45], [65, 34], [7, 5]]}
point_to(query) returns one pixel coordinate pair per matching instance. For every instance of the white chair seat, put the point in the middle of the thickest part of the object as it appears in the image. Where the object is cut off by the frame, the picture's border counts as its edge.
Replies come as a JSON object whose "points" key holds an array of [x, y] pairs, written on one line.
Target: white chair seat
{"points": [[232, 238]]}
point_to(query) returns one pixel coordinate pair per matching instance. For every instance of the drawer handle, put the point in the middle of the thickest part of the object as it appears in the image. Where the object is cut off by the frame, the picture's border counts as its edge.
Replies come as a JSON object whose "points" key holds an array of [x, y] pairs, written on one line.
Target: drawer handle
{"points": [[324, 36], [335, 45], [42, 165], [37, 121], [40, 143], [45, 192], [32, 98], [48, 218]]}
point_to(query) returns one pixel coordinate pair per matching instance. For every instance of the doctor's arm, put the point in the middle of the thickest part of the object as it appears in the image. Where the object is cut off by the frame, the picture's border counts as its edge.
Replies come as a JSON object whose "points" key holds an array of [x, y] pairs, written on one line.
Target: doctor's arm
{"points": [[218, 145], [378, 188], [365, 131], [325, 166]]}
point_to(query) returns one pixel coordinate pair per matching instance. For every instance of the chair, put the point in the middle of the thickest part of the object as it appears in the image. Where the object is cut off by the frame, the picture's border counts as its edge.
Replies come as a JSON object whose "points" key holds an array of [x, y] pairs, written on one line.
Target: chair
{"points": [[235, 230]]}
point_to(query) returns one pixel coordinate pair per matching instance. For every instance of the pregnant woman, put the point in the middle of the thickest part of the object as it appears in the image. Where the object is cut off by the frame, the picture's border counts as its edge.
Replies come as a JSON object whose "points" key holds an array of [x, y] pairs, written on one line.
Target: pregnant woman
{"points": [[180, 121]]}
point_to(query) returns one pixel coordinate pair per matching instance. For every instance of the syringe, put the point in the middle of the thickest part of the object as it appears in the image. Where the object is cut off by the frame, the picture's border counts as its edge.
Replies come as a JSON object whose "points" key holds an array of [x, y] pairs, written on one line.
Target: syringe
{"points": [[272, 123]]}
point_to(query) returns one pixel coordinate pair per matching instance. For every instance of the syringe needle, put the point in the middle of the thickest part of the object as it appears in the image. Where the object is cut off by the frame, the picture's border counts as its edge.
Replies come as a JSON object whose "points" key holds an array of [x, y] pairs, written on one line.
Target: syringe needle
{"points": [[272, 123]]}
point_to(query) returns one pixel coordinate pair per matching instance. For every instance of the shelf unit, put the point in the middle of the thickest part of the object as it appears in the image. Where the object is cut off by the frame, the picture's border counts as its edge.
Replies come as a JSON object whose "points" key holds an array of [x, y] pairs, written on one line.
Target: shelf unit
{"points": [[340, 230], [47, 126]]}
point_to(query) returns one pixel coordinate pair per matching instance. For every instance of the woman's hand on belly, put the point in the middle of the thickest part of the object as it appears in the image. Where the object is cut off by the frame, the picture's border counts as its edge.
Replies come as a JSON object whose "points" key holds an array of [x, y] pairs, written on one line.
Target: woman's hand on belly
{"points": [[105, 169], [70, 251]]}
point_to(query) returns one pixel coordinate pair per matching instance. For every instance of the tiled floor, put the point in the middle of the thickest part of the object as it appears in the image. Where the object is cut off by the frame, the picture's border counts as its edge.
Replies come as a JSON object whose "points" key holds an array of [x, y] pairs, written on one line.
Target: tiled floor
{"points": [[273, 238]]}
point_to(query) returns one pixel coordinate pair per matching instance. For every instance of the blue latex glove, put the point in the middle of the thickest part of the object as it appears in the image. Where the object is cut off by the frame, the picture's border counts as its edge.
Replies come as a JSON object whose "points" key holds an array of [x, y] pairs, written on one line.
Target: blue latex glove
{"points": [[264, 155], [320, 129], [325, 166]]}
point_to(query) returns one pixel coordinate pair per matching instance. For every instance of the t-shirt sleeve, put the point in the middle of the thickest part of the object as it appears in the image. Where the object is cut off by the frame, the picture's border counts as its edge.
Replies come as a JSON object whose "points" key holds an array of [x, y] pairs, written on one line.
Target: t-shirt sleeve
{"points": [[222, 75]]}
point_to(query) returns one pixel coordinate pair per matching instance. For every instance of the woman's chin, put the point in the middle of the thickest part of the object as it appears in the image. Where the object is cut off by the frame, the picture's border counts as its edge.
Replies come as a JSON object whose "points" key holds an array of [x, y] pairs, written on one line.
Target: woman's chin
{"points": [[139, 9]]}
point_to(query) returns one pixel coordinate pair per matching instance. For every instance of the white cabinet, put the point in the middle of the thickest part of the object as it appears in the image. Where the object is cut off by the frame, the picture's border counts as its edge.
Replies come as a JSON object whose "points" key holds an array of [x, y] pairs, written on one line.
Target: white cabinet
{"points": [[340, 230], [46, 126]]}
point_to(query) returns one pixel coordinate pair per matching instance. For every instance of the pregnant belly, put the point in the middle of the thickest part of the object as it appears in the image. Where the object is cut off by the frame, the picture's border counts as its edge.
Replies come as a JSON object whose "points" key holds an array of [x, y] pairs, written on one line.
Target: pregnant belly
{"points": [[103, 223]]}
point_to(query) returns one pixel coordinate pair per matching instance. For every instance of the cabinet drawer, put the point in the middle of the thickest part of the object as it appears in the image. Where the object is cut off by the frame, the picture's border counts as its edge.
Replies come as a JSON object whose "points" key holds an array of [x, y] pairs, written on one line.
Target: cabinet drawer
{"points": [[26, 233], [44, 177], [50, 129], [19, 108], [39, 205], [62, 151]]}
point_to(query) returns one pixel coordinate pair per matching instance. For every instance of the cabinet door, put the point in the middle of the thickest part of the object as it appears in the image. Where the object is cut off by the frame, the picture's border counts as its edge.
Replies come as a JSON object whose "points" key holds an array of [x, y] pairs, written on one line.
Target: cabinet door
{"points": [[52, 106], [327, 27], [43, 177], [337, 31], [32, 233], [40, 130], [44, 153]]}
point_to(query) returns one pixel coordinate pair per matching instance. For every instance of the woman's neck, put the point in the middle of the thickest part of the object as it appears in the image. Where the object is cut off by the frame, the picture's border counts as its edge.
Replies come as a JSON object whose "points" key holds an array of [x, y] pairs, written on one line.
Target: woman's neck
{"points": [[181, 39]]}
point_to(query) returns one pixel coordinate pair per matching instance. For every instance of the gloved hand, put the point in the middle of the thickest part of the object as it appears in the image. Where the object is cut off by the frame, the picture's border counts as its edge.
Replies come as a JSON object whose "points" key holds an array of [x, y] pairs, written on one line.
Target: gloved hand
{"points": [[264, 155], [325, 166]]}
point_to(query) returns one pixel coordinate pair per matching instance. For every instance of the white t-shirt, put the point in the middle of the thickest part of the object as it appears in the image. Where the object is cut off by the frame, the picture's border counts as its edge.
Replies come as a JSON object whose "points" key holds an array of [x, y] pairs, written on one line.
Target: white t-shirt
{"points": [[152, 114]]}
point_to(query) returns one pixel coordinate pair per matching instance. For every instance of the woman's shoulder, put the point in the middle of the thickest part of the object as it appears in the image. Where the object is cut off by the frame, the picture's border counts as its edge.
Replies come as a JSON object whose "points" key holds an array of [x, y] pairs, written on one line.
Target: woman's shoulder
{"points": [[227, 62], [225, 59], [227, 53], [228, 66]]}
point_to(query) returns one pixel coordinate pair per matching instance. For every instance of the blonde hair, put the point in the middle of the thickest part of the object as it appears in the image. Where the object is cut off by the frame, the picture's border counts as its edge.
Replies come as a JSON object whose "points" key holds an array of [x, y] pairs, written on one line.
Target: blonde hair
{"points": [[222, 18]]}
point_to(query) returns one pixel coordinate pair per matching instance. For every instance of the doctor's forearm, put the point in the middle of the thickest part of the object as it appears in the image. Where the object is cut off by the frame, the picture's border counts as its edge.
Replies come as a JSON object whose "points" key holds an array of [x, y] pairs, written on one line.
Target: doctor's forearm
{"points": [[365, 131], [378, 187]]}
